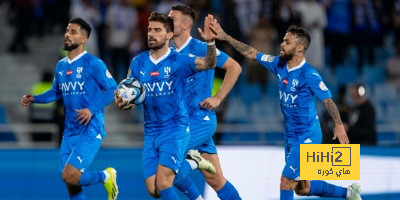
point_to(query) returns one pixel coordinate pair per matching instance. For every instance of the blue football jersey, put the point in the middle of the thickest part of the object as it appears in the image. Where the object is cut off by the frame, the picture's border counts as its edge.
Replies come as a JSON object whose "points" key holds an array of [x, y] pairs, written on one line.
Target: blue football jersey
{"points": [[298, 88], [200, 85], [81, 83], [165, 82]]}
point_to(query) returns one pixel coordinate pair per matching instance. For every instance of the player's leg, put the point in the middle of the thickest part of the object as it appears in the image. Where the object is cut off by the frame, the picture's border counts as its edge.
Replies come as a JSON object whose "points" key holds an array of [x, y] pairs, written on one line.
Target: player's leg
{"points": [[217, 181], [291, 172], [200, 131], [324, 189], [75, 192], [171, 145], [75, 172]]}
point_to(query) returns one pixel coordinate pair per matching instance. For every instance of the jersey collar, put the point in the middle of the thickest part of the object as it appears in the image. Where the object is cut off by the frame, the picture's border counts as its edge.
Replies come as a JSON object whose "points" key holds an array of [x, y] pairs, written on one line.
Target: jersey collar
{"points": [[296, 67], [76, 57], [184, 45], [160, 58]]}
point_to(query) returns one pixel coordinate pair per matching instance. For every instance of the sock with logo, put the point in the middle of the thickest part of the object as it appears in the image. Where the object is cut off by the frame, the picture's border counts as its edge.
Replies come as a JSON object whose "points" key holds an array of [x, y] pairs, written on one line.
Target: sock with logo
{"points": [[169, 194], [91, 177], [287, 195], [79, 196], [324, 189], [228, 192], [188, 188]]}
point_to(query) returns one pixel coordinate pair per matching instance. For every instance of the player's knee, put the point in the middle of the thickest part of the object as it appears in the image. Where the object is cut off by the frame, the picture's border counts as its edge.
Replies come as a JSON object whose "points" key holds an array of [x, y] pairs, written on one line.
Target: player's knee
{"points": [[287, 184], [154, 193], [302, 191], [70, 177], [162, 184], [216, 181]]}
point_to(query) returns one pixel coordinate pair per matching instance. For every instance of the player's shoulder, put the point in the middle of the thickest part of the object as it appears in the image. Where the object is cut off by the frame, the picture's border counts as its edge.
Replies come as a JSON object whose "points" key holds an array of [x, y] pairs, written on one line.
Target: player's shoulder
{"points": [[92, 60], [309, 69], [62, 61]]}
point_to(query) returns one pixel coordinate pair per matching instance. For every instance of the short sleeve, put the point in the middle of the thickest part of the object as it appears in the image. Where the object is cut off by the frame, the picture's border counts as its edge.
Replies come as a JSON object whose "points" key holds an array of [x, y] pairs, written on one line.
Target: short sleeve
{"points": [[102, 76], [187, 63], [222, 57], [317, 85], [268, 61]]}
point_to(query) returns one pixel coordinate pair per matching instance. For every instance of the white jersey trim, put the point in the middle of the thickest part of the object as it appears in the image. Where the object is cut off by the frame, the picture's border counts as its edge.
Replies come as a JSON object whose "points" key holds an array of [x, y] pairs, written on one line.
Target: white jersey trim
{"points": [[184, 45], [296, 67], [76, 57], [154, 61]]}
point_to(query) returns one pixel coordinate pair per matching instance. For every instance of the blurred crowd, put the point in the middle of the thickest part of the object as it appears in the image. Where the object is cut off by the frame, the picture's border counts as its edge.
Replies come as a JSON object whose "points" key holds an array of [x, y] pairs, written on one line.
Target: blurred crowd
{"points": [[368, 28], [120, 26]]}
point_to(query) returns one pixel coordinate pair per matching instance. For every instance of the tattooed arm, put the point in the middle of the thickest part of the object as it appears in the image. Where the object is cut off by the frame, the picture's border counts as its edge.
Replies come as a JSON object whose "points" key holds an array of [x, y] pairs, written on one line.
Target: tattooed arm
{"points": [[339, 131], [246, 50], [208, 62], [203, 63]]}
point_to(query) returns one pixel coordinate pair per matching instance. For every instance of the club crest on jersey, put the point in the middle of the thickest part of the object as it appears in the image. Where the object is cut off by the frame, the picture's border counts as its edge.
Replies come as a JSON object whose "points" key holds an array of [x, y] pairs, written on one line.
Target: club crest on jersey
{"points": [[155, 73], [78, 72], [167, 71], [322, 86], [295, 82], [285, 81], [271, 58], [69, 72]]}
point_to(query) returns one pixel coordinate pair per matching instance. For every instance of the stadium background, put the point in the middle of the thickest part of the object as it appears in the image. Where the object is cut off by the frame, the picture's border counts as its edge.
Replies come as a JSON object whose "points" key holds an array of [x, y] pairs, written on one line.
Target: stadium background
{"points": [[249, 134]]}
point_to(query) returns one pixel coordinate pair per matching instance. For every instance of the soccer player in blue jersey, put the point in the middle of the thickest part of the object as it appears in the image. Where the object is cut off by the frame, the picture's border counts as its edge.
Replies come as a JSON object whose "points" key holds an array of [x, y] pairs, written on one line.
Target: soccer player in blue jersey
{"points": [[164, 73], [86, 87], [200, 104], [299, 83]]}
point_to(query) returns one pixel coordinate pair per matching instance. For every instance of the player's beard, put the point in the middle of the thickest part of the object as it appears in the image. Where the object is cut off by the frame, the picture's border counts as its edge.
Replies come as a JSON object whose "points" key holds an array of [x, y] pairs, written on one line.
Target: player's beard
{"points": [[286, 56], [156, 46], [70, 47]]}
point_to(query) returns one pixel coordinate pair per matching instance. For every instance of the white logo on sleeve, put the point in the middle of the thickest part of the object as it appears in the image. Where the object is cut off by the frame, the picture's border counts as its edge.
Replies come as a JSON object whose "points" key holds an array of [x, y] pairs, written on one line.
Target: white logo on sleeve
{"points": [[322, 86], [264, 57], [61, 73], [108, 74]]}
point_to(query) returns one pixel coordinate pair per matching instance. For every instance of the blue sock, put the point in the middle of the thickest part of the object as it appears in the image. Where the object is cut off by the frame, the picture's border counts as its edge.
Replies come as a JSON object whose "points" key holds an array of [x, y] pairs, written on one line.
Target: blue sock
{"points": [[324, 189], [287, 195], [228, 192], [91, 177], [188, 188], [79, 196], [183, 172], [169, 193]]}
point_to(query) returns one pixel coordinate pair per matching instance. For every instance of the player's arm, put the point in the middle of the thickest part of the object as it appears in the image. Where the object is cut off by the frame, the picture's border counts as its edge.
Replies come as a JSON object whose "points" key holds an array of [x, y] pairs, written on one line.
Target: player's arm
{"points": [[49, 96], [106, 83], [246, 50], [123, 105], [210, 61], [233, 71], [339, 131]]}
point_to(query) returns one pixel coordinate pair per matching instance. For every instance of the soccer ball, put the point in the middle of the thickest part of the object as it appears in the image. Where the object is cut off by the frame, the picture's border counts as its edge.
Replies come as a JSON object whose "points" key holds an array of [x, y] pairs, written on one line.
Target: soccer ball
{"points": [[132, 90]]}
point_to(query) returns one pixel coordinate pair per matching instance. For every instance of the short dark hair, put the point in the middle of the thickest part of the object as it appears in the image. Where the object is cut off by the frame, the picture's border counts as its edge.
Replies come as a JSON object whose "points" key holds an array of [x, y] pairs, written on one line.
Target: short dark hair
{"points": [[83, 24], [300, 33], [163, 18], [185, 10]]}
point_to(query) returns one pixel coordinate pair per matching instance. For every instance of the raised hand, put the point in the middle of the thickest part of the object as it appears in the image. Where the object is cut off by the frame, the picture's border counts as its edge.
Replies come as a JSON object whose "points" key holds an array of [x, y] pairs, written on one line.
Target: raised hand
{"points": [[217, 31], [27, 100], [207, 34]]}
